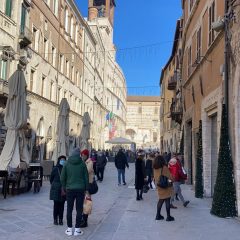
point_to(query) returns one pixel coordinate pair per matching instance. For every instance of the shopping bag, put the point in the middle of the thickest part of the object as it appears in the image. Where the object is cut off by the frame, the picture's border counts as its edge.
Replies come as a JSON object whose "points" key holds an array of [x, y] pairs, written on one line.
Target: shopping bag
{"points": [[87, 205], [153, 185]]}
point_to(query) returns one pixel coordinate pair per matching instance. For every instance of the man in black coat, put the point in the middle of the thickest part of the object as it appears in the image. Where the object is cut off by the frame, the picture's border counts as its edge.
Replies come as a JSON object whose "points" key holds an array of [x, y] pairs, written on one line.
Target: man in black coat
{"points": [[140, 174], [121, 163], [100, 164]]}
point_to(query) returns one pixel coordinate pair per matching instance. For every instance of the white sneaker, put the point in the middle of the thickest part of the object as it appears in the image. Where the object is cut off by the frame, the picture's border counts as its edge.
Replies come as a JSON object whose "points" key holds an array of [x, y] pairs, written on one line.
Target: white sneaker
{"points": [[69, 232], [78, 232]]}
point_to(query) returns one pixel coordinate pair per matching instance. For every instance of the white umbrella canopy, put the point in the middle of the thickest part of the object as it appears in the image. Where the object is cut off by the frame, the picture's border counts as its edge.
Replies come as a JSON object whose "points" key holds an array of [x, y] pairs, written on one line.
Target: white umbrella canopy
{"points": [[85, 132], [62, 143], [15, 119], [119, 140]]}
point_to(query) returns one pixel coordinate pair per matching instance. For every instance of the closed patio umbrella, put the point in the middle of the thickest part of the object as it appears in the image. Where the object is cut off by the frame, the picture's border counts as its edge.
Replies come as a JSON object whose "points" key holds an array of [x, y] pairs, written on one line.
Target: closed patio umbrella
{"points": [[15, 119], [85, 132], [62, 143]]}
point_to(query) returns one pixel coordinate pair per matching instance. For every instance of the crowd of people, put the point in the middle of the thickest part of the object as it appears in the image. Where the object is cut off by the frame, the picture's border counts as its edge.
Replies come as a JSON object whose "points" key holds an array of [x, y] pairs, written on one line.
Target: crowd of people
{"points": [[73, 181], [167, 173]]}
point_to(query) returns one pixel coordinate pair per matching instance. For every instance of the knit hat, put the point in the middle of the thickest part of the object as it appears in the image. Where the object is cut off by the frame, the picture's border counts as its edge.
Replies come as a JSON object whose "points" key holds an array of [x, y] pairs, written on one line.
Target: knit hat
{"points": [[85, 152], [75, 152]]}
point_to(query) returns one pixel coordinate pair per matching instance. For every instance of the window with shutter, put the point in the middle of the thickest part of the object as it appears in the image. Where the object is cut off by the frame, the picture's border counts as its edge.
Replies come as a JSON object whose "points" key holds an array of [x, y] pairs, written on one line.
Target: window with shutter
{"points": [[8, 9]]}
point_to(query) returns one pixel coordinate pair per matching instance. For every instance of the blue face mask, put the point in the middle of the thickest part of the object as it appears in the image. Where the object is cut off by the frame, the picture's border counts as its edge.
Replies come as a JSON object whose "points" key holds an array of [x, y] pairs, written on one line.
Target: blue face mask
{"points": [[62, 162]]}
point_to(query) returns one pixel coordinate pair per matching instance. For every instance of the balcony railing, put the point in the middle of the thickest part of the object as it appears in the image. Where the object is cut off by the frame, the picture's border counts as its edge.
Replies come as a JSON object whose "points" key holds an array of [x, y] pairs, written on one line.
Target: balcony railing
{"points": [[176, 110], [25, 36], [172, 83]]}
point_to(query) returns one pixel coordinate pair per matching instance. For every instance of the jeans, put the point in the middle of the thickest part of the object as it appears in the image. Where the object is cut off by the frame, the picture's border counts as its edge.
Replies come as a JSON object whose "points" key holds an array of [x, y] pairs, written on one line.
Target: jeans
{"points": [[121, 172], [100, 173], [73, 195], [58, 209], [177, 190]]}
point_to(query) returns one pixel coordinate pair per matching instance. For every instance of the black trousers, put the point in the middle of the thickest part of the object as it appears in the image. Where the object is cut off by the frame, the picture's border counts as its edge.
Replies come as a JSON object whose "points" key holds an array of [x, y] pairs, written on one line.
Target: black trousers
{"points": [[58, 209], [100, 173], [95, 168], [73, 195]]}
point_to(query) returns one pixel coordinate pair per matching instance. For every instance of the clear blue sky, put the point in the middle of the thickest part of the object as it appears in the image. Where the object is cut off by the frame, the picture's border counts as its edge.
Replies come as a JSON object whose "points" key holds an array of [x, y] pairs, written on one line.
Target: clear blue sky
{"points": [[141, 23]]}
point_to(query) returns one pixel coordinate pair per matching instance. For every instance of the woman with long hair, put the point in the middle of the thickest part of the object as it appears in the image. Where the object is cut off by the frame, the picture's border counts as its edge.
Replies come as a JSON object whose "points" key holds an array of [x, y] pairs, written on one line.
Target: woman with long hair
{"points": [[164, 194]]}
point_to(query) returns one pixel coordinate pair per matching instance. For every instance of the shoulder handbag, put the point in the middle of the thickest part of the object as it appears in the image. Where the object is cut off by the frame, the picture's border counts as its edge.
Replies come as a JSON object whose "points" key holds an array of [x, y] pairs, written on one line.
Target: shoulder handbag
{"points": [[163, 181], [93, 187]]}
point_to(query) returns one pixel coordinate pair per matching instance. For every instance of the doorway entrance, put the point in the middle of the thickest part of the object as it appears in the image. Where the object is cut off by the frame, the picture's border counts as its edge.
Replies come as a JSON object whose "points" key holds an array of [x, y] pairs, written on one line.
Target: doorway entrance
{"points": [[214, 152]]}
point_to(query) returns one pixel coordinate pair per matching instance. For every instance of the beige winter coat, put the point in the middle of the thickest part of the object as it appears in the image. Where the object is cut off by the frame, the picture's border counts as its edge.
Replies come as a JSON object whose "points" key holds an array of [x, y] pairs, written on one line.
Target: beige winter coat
{"points": [[163, 193], [89, 165]]}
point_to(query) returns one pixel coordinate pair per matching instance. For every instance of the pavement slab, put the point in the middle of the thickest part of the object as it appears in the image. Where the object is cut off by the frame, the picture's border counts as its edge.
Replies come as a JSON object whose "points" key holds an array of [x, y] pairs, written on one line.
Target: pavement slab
{"points": [[116, 216]]}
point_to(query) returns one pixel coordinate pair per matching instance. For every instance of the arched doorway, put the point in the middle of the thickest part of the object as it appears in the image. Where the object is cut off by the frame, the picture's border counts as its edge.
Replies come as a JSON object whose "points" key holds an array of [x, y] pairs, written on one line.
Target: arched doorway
{"points": [[39, 145]]}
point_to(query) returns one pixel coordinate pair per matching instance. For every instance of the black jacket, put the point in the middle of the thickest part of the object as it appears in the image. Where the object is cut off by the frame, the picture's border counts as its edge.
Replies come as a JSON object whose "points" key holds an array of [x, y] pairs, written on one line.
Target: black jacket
{"points": [[149, 168], [139, 173], [121, 161], [56, 186], [101, 161]]}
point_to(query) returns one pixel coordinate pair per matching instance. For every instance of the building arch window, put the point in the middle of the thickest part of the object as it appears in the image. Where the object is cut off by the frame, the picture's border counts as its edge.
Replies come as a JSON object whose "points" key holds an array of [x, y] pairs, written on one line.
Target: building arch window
{"points": [[55, 7], [71, 28], [76, 34], [66, 19], [49, 134], [40, 128]]}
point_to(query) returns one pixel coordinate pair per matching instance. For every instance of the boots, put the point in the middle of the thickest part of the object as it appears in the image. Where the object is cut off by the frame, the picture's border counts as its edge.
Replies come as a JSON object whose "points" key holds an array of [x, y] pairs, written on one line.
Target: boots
{"points": [[60, 222], [55, 222], [138, 196], [141, 193], [84, 222]]}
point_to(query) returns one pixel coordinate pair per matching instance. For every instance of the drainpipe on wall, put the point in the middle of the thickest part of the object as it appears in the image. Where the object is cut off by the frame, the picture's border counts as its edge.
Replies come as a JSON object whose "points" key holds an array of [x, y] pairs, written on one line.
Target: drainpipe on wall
{"points": [[226, 57]]}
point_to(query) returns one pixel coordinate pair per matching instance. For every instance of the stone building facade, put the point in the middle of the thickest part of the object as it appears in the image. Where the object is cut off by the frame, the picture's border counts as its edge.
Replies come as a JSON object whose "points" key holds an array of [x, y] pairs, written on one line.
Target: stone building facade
{"points": [[64, 58], [171, 107], [209, 30], [110, 85], [143, 121], [202, 79]]}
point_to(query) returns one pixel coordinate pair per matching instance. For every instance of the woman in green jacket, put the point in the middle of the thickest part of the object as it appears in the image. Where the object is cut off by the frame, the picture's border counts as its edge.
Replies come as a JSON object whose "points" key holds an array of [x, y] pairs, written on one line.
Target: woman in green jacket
{"points": [[56, 191]]}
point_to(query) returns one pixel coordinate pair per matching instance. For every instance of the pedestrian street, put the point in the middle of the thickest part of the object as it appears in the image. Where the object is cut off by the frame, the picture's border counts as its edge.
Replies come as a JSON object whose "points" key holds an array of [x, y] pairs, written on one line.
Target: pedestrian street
{"points": [[116, 215]]}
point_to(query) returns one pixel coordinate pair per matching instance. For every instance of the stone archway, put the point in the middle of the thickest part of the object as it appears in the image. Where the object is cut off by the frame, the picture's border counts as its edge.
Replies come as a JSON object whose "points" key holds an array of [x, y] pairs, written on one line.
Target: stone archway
{"points": [[39, 143]]}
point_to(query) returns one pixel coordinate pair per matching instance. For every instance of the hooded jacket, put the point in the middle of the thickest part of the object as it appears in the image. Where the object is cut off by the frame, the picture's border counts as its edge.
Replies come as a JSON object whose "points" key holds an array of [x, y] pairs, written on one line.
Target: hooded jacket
{"points": [[74, 175]]}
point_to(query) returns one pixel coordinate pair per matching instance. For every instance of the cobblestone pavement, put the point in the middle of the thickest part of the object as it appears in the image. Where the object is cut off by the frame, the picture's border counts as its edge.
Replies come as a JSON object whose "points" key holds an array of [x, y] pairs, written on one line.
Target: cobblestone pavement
{"points": [[116, 215]]}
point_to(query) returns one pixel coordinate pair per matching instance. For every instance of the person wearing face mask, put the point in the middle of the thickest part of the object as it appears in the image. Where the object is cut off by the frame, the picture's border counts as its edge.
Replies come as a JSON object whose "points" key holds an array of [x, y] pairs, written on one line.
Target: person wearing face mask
{"points": [[89, 163], [56, 193]]}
